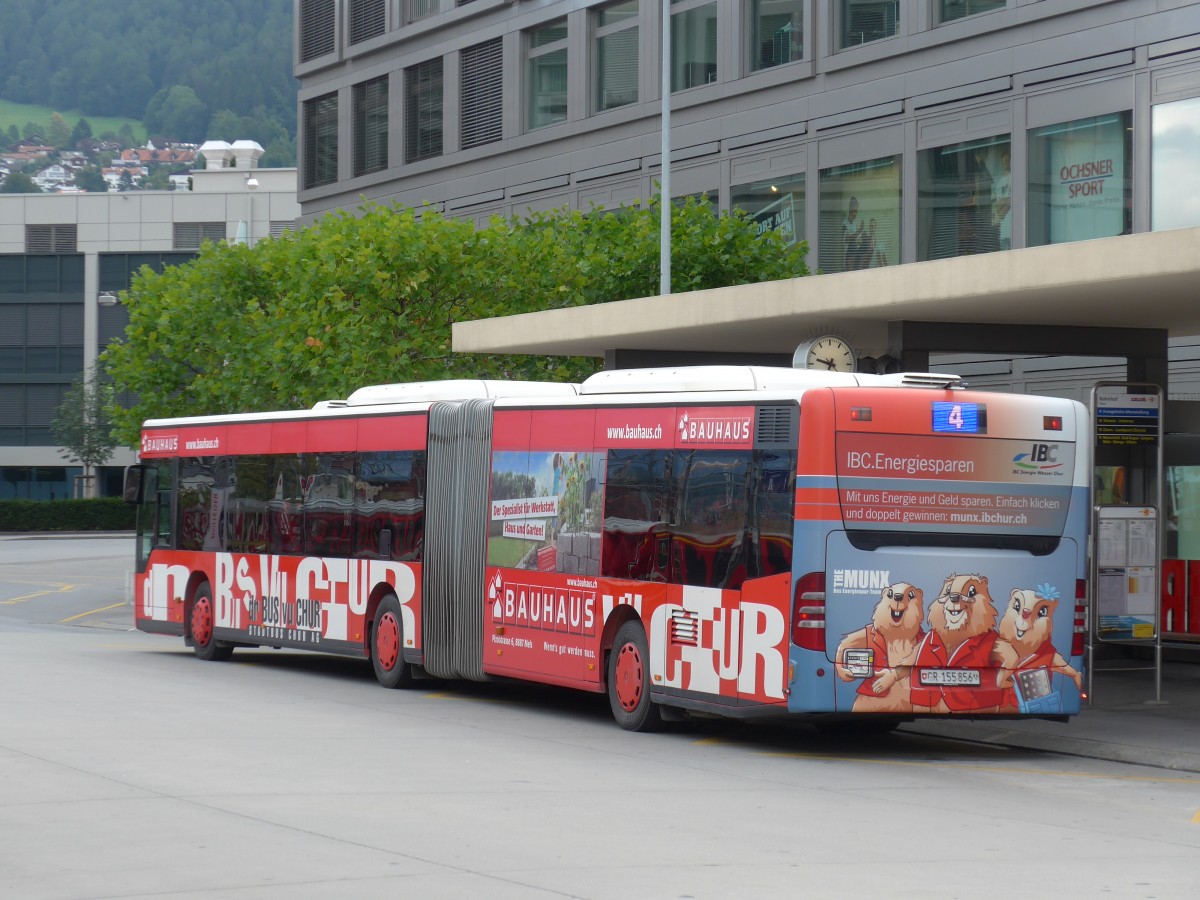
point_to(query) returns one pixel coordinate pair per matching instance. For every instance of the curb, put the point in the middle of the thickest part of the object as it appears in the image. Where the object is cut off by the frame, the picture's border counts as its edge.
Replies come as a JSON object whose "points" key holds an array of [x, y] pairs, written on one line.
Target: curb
{"points": [[1159, 758]]}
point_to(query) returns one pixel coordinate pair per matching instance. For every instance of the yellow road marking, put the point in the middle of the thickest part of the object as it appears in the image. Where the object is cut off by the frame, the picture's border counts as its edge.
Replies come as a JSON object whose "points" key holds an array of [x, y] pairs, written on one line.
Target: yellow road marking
{"points": [[90, 612], [1005, 770], [62, 589], [1196, 818]]}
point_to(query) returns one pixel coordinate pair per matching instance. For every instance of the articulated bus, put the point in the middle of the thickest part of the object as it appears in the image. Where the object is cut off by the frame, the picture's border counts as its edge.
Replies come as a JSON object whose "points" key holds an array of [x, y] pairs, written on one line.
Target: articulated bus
{"points": [[738, 541]]}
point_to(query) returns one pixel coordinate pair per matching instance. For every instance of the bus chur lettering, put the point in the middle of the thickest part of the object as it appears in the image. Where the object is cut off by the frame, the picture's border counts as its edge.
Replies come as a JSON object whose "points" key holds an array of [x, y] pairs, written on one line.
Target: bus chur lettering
{"points": [[315, 596], [739, 651]]}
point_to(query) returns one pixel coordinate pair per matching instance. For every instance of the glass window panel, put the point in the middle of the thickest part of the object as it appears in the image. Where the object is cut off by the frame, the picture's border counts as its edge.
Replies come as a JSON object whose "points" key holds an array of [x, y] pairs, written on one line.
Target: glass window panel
{"points": [[12, 274], [864, 21], [423, 111], [43, 274], [1081, 180], [694, 47], [12, 360], [72, 274], [1174, 176], [547, 74], [960, 9], [370, 100], [860, 215], [320, 140], [776, 205], [776, 32], [964, 199], [617, 56]]}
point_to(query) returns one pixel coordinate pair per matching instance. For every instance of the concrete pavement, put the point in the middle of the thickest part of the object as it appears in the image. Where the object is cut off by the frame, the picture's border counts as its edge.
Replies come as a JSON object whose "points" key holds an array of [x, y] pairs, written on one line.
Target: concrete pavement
{"points": [[1123, 722]]}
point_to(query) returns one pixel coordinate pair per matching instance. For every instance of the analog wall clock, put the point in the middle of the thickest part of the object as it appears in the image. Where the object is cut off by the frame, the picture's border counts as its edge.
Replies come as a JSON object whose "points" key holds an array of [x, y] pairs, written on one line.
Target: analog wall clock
{"points": [[827, 353]]}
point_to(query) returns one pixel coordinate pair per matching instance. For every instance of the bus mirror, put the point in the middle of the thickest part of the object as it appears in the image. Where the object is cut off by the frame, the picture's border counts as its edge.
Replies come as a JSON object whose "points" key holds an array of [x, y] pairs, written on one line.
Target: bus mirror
{"points": [[135, 484]]}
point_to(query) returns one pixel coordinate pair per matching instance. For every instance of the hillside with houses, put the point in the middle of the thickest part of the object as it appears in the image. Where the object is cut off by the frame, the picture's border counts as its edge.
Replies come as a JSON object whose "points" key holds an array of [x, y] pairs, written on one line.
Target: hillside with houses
{"points": [[33, 166]]}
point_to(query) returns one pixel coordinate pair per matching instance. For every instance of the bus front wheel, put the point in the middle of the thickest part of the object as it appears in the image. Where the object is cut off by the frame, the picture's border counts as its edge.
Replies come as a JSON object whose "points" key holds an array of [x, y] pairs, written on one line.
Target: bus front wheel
{"points": [[203, 621], [629, 681], [387, 645]]}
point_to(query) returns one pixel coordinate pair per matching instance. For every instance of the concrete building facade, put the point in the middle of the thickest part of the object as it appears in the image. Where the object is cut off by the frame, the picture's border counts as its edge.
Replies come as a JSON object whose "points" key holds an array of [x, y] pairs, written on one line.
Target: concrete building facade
{"points": [[882, 131], [64, 261]]}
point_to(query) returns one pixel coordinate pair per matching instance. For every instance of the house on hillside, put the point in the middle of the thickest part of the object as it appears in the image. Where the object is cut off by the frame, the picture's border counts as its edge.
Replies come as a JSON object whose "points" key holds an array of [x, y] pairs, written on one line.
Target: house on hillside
{"points": [[53, 177]]}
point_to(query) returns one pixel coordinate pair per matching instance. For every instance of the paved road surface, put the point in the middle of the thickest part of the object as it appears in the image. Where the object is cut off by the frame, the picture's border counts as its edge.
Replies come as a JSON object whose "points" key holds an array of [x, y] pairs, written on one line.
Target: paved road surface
{"points": [[130, 769]]}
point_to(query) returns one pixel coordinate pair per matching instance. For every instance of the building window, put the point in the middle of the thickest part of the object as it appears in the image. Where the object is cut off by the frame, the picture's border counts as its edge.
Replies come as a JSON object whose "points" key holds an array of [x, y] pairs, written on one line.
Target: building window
{"points": [[617, 55], [41, 338], [964, 199], [863, 21], [419, 9], [317, 20], [949, 10], [368, 19], [776, 205], [42, 274], [776, 32], [370, 135], [546, 65], [423, 111], [320, 140], [1081, 180], [860, 215], [1175, 187], [190, 235], [693, 44], [482, 94]]}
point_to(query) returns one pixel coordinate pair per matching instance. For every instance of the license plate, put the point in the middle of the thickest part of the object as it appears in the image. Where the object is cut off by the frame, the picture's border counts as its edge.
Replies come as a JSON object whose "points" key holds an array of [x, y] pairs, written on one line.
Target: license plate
{"points": [[950, 676]]}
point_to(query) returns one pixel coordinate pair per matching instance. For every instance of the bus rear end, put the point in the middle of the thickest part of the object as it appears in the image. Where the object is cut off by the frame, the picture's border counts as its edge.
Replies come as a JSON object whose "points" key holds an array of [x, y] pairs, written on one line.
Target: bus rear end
{"points": [[940, 554]]}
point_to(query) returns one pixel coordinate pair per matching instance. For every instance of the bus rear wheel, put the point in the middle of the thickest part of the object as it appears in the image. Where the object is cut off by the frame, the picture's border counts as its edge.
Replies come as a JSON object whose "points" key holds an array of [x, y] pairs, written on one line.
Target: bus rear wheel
{"points": [[629, 681], [387, 645], [202, 624]]}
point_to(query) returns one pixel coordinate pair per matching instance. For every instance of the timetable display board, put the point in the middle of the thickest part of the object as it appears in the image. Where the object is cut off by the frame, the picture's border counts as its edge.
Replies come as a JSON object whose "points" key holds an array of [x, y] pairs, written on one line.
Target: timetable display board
{"points": [[1127, 572]]}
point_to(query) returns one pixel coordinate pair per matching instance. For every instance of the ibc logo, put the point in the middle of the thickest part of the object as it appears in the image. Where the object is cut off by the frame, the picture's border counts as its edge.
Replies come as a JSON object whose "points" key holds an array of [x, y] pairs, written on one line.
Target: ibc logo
{"points": [[1039, 457], [857, 459], [1044, 453]]}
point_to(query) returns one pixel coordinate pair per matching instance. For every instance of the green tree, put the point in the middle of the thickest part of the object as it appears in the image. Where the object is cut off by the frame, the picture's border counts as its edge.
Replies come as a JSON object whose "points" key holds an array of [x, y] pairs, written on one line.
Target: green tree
{"points": [[370, 298], [19, 183], [81, 132], [59, 132], [177, 112], [90, 179], [82, 425], [13, 135]]}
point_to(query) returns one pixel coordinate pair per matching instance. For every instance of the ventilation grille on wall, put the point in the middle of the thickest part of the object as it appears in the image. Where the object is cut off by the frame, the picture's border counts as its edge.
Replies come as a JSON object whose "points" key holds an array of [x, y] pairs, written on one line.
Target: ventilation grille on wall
{"points": [[51, 238]]}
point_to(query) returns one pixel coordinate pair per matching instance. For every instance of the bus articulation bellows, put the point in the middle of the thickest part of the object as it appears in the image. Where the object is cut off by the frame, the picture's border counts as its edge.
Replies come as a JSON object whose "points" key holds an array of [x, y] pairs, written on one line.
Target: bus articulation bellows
{"points": [[742, 541]]}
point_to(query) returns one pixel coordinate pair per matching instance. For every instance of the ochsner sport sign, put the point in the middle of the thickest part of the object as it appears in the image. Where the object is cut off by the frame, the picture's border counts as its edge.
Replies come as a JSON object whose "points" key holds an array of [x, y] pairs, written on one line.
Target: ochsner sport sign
{"points": [[915, 482]]}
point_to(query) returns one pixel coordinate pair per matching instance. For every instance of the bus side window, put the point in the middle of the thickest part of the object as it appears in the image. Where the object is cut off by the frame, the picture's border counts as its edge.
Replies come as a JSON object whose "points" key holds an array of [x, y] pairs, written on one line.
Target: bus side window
{"points": [[638, 504]]}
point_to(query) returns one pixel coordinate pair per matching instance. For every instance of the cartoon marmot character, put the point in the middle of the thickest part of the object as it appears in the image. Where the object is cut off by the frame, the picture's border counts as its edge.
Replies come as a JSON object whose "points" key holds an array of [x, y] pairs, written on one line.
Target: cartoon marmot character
{"points": [[962, 618], [893, 633], [1025, 631]]}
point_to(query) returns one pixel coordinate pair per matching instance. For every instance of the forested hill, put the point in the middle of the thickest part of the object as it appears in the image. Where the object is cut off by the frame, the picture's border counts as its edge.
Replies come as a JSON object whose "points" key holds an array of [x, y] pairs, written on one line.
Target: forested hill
{"points": [[171, 63]]}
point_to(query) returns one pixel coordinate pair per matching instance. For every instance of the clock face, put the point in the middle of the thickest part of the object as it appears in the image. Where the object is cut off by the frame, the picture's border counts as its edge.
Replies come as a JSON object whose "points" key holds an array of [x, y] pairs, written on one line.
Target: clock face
{"points": [[829, 354]]}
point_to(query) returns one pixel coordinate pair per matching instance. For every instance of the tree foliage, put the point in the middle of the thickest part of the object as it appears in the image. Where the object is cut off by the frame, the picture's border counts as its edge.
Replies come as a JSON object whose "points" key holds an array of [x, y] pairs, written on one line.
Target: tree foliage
{"points": [[370, 298], [82, 426], [19, 183]]}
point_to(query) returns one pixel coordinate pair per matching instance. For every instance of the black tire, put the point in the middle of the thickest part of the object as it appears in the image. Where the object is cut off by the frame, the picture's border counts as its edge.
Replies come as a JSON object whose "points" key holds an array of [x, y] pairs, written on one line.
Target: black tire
{"points": [[387, 645], [201, 625], [629, 680]]}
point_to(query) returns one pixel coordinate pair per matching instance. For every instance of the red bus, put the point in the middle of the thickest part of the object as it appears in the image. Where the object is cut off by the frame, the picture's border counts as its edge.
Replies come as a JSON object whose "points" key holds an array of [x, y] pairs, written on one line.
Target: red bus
{"points": [[734, 540]]}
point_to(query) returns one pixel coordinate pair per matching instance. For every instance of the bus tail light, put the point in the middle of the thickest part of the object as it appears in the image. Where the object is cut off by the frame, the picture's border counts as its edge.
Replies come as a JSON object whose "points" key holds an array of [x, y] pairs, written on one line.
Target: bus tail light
{"points": [[1078, 639], [808, 612]]}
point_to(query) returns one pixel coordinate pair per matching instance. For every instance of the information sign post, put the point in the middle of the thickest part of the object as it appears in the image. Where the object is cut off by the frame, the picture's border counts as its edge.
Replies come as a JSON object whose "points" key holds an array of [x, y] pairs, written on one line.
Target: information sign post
{"points": [[1126, 558]]}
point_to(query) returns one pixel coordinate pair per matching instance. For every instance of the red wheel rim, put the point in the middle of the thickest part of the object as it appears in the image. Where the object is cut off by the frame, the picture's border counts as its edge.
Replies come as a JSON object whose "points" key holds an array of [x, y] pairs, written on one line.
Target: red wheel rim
{"points": [[202, 622], [630, 677], [387, 641]]}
